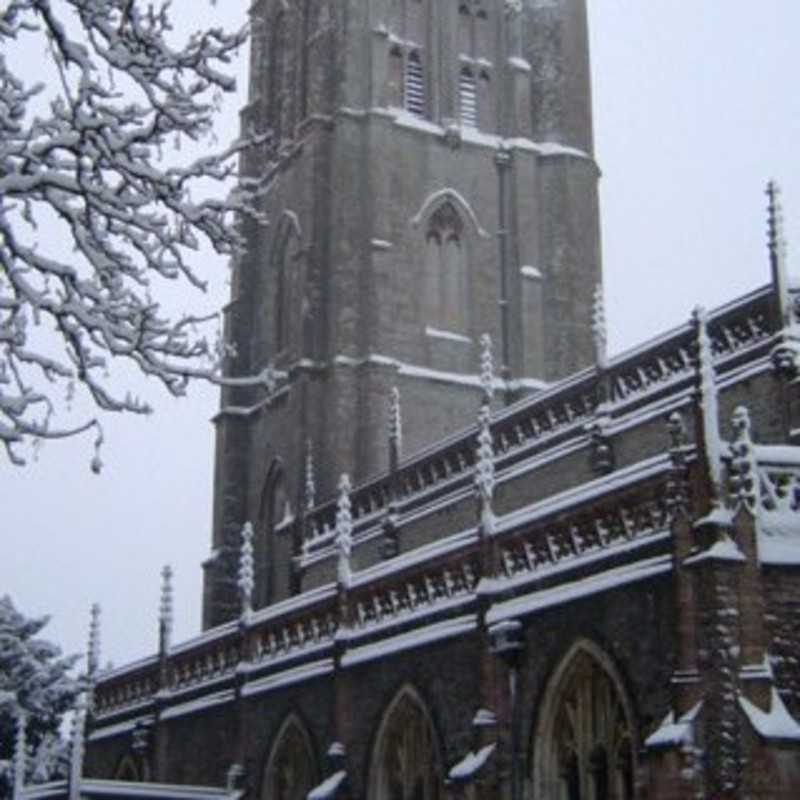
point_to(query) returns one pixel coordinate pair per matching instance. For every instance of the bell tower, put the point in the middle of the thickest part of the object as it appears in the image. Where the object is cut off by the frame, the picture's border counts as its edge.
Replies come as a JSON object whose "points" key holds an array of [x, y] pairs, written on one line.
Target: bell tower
{"points": [[431, 178]]}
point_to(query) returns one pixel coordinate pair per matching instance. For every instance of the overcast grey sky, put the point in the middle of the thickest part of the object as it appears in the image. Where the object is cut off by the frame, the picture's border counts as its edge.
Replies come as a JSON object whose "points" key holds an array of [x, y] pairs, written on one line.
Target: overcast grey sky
{"points": [[696, 107]]}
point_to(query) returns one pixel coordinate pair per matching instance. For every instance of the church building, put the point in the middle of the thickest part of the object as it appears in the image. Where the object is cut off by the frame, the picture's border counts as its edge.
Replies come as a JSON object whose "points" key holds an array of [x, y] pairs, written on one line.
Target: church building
{"points": [[457, 550]]}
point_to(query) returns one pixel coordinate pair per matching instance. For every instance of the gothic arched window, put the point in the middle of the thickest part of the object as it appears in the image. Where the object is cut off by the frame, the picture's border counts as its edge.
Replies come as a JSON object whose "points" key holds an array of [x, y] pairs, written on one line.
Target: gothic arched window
{"points": [[287, 253], [445, 270], [584, 742], [405, 762], [273, 543], [291, 772]]}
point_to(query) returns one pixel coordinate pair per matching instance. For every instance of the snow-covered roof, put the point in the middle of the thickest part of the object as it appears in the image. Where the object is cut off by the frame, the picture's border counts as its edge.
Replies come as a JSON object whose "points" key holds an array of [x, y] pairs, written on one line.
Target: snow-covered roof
{"points": [[471, 764], [329, 787], [777, 723], [674, 732]]}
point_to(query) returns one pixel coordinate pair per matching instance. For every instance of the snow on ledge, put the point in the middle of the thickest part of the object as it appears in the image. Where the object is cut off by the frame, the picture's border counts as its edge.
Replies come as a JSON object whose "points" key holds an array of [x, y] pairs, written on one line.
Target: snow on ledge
{"points": [[407, 641], [471, 764], [329, 787], [723, 550], [777, 723], [533, 273], [577, 590], [451, 336]]}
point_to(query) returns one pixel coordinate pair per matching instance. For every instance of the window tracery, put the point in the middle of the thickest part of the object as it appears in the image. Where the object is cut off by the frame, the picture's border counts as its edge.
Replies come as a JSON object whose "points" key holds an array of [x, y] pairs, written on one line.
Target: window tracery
{"points": [[290, 773], [586, 741], [405, 763]]}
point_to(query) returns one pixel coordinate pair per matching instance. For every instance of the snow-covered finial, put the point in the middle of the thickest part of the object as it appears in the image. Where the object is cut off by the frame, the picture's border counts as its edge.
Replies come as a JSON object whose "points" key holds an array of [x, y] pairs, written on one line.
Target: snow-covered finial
{"points": [[20, 753], [77, 745], [165, 618], [708, 399], [93, 650], [395, 429], [246, 578], [745, 481], [599, 328], [776, 243], [487, 369], [344, 532], [310, 485], [484, 470]]}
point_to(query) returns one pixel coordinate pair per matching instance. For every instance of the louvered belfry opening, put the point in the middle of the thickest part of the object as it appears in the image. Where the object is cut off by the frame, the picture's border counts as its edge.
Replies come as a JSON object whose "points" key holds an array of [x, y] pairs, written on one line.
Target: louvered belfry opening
{"points": [[468, 98], [415, 85]]}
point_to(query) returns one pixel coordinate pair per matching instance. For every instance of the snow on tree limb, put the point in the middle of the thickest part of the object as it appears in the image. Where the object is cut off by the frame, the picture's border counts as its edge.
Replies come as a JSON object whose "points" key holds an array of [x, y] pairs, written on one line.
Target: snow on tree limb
{"points": [[84, 153]]}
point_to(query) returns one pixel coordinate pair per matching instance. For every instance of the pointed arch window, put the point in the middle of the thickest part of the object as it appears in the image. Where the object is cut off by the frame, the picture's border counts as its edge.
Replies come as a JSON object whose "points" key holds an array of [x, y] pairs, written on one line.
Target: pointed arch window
{"points": [[585, 741], [286, 265], [290, 773], [445, 270], [405, 763]]}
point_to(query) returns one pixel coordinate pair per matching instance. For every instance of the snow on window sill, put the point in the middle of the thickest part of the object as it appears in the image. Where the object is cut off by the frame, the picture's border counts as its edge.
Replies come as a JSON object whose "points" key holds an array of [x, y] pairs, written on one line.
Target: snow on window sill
{"points": [[450, 336]]}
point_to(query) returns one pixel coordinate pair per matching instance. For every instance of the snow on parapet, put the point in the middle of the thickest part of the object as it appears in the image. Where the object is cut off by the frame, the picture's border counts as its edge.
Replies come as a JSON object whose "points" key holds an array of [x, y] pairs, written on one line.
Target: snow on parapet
{"points": [[246, 577], [344, 533], [777, 723]]}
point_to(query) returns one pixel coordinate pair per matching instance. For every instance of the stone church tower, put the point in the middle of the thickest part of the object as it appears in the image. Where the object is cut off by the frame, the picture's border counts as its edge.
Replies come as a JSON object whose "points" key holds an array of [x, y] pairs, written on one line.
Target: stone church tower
{"points": [[431, 179]]}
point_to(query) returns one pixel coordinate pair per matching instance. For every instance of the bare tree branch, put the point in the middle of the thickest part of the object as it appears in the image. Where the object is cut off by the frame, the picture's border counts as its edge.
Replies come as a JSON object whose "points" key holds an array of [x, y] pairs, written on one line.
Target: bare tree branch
{"points": [[92, 163]]}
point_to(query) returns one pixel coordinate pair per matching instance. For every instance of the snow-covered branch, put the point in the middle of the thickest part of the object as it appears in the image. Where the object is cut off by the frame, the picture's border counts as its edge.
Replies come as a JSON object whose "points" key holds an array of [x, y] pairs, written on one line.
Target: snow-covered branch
{"points": [[82, 157]]}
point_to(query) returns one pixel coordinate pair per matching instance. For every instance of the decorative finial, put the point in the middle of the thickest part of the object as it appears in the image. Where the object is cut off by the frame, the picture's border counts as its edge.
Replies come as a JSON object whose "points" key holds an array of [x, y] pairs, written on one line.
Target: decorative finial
{"points": [[310, 481], [344, 532], [708, 399], [246, 577], [93, 650], [487, 369], [77, 745], [165, 609], [744, 479], [776, 243], [395, 430], [599, 328], [395, 418], [20, 753], [484, 471]]}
